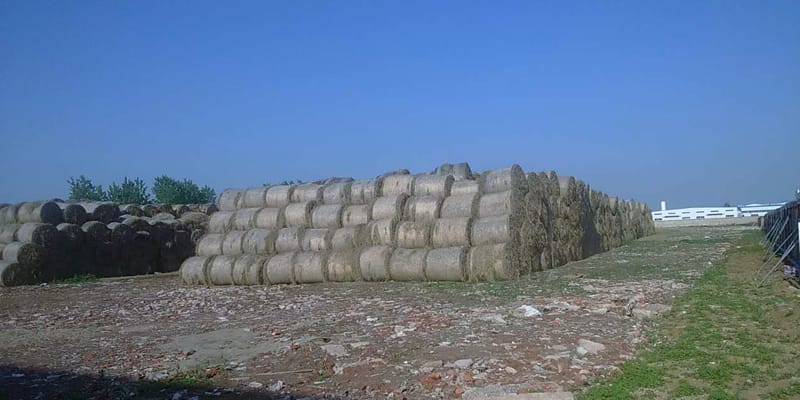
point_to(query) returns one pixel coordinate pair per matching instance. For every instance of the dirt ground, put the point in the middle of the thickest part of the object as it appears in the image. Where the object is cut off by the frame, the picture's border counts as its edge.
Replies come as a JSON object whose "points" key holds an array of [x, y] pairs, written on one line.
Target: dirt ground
{"points": [[150, 337]]}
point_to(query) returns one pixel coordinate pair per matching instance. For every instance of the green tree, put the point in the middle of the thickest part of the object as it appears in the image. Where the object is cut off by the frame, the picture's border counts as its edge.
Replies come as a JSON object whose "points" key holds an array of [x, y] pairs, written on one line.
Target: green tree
{"points": [[83, 189], [172, 191], [129, 192]]}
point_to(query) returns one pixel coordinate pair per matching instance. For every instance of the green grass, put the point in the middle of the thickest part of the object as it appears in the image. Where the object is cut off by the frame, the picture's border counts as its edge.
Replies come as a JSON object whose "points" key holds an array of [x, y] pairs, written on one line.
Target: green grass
{"points": [[724, 339], [86, 278]]}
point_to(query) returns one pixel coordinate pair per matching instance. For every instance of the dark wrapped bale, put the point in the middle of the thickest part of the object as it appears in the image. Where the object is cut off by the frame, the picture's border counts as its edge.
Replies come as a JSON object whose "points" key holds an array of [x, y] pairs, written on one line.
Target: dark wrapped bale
{"points": [[161, 232], [194, 271], [244, 219], [144, 252], [349, 238], [382, 231], [359, 214], [433, 185], [447, 264], [103, 212], [121, 233], [96, 231], [394, 185], [229, 199], [259, 241], [2, 246], [279, 196], [13, 274], [163, 216], [317, 239], [233, 244], [464, 187], [47, 212], [389, 206], [366, 191], [255, 197], [310, 267], [280, 269], [8, 214], [464, 205], [343, 266], [270, 218], [33, 260], [138, 224], [289, 239], [207, 209], [501, 180], [327, 216], [194, 220], [298, 214], [248, 269], [450, 232], [220, 270], [184, 248], [8, 233], [408, 264], [130, 209], [210, 244], [337, 193], [422, 208], [221, 222], [374, 263], [307, 192], [179, 209], [413, 234]]}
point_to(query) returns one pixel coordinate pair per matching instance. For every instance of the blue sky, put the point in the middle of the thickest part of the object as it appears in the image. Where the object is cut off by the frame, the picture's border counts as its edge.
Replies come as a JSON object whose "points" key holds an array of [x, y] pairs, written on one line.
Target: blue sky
{"points": [[697, 103]]}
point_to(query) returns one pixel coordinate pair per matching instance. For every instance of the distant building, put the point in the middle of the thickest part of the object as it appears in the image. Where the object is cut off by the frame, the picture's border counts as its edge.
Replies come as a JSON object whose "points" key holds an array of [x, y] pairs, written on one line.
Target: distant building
{"points": [[749, 210]]}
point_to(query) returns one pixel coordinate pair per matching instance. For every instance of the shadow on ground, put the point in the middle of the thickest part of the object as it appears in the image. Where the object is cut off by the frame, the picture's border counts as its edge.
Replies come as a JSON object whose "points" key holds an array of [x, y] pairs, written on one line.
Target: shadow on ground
{"points": [[28, 383]]}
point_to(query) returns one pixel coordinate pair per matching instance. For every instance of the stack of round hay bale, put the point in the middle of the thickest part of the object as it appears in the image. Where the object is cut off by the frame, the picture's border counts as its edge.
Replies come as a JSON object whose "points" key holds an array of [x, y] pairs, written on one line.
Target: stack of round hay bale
{"points": [[451, 225], [47, 240]]}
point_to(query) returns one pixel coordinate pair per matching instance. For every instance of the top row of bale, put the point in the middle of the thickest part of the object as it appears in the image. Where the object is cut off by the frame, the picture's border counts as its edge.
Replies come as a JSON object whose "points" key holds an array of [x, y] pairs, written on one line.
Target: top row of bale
{"points": [[55, 212]]}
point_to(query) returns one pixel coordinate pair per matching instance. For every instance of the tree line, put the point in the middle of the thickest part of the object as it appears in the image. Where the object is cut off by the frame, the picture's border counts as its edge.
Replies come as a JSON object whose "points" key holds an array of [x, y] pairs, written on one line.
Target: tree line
{"points": [[166, 190]]}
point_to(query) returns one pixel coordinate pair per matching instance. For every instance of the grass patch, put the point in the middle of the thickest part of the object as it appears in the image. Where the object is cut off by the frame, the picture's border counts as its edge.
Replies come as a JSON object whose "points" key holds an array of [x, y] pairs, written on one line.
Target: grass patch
{"points": [[86, 278], [724, 339]]}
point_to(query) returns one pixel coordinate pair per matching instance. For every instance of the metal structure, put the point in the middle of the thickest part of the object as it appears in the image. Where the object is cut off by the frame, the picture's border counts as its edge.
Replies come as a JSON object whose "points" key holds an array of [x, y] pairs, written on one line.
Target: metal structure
{"points": [[782, 240]]}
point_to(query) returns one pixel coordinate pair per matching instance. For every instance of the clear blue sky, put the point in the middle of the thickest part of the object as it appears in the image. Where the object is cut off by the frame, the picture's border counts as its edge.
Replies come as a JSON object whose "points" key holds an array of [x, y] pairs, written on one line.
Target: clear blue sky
{"points": [[695, 102]]}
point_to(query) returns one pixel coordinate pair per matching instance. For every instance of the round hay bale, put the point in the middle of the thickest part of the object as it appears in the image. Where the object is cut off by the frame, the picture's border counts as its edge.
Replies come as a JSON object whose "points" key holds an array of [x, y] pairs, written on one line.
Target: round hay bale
{"points": [[463, 205], [72, 234], [130, 209], [307, 192], [462, 171], [194, 270], [8, 233], [491, 230], [163, 216], [289, 239], [382, 231], [210, 244], [500, 180], [138, 224], [161, 232], [259, 241], [8, 214], [220, 270], [343, 266], [279, 196], [221, 221], [317, 239], [327, 216], [150, 210], [255, 197], [356, 214], [233, 244], [270, 218], [433, 185], [96, 231], [13, 274], [244, 219], [450, 232], [349, 237], [394, 185], [280, 269], [408, 264], [103, 212], [47, 212], [249, 270], [389, 206], [76, 214], [29, 254], [366, 191], [179, 209], [492, 262], [374, 263], [464, 187], [413, 234], [310, 267], [298, 214], [501, 203], [207, 209], [422, 208], [229, 199], [194, 220], [120, 233], [447, 264], [337, 193]]}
